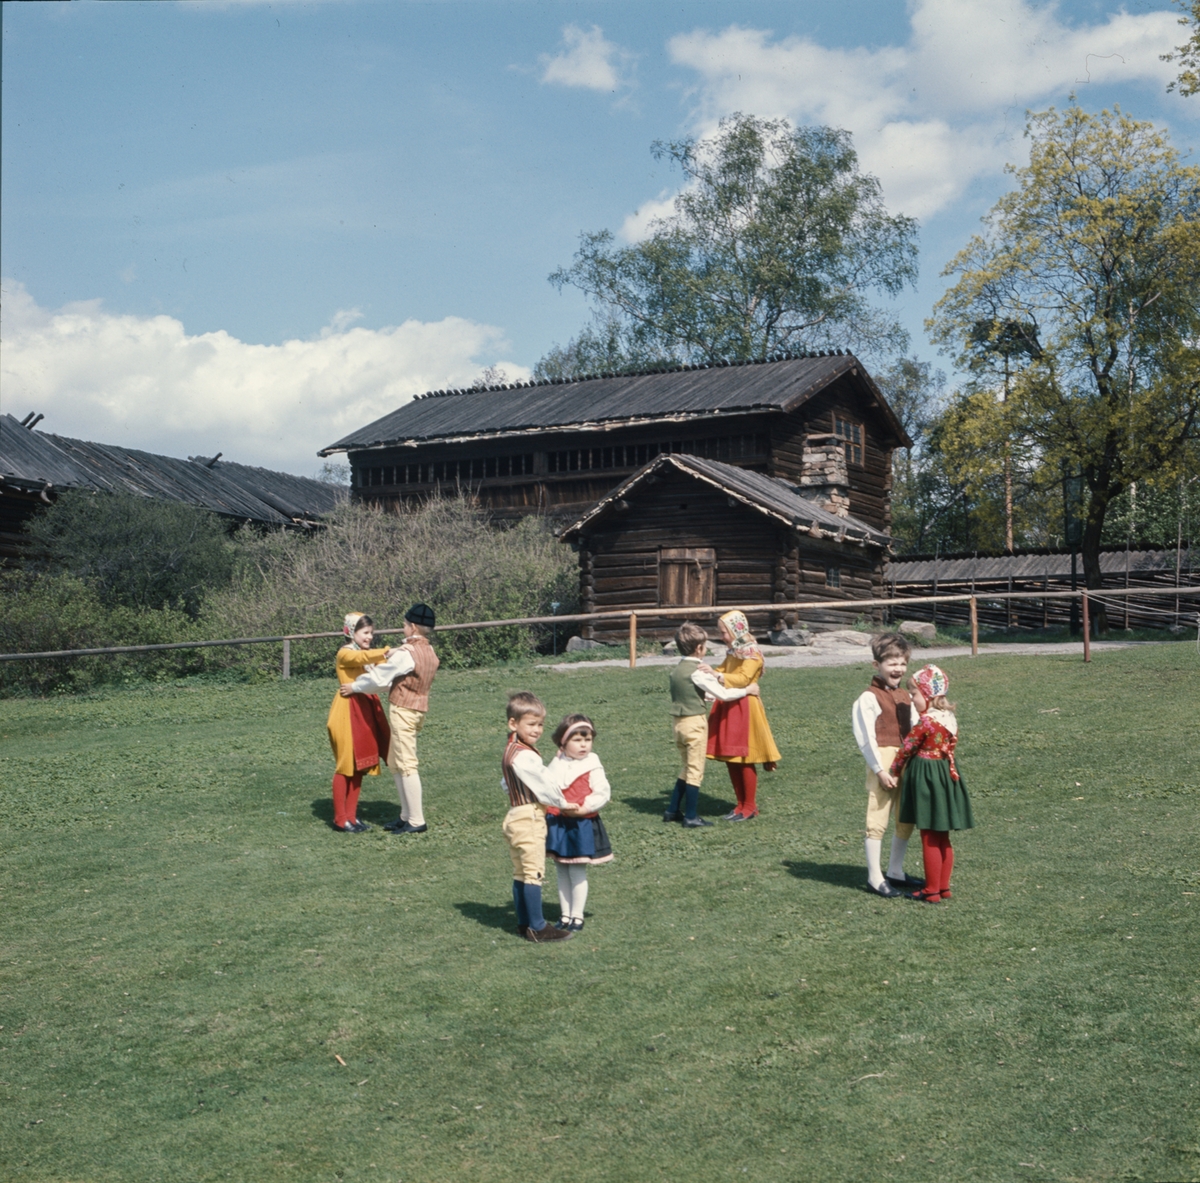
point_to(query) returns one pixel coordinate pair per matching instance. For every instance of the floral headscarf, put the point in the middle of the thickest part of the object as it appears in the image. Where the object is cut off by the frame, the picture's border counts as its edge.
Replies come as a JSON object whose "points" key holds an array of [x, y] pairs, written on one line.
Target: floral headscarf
{"points": [[349, 624], [931, 681], [739, 626]]}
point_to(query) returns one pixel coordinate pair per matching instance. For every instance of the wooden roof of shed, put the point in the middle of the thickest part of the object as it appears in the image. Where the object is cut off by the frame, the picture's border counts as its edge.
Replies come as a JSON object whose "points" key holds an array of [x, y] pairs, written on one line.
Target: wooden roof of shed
{"points": [[764, 494], [671, 395], [33, 460], [1055, 565]]}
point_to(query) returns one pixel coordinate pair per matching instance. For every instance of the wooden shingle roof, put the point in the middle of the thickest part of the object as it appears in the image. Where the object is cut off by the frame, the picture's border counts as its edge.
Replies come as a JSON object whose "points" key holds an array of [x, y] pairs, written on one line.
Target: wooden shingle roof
{"points": [[764, 494], [686, 392]]}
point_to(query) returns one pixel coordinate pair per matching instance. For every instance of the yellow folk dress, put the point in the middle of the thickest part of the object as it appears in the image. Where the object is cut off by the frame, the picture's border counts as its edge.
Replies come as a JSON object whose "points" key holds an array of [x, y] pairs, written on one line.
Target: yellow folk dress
{"points": [[738, 673], [350, 663]]}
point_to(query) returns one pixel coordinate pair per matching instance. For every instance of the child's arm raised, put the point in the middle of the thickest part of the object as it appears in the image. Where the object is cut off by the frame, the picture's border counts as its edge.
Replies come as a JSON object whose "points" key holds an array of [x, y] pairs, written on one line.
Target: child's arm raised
{"points": [[709, 684], [746, 673], [376, 679]]}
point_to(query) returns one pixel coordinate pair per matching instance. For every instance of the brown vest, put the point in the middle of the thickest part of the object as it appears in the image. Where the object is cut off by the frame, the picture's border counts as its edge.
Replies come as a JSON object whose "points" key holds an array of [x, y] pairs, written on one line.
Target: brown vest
{"points": [[412, 691], [896, 719], [518, 792]]}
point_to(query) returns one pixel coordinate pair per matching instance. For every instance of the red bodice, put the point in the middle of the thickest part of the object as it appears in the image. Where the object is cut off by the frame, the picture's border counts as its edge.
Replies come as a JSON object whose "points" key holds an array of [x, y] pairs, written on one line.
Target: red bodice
{"points": [[929, 740]]}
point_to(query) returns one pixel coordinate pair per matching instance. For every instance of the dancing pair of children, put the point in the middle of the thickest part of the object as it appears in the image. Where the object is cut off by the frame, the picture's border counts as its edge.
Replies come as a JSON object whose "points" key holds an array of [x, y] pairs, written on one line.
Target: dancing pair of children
{"points": [[736, 732], [931, 796], [360, 735], [553, 811]]}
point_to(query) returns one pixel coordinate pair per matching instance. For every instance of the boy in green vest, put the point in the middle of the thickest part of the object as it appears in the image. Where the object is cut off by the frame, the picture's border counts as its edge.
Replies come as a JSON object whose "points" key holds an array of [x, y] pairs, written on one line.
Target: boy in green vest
{"points": [[690, 683]]}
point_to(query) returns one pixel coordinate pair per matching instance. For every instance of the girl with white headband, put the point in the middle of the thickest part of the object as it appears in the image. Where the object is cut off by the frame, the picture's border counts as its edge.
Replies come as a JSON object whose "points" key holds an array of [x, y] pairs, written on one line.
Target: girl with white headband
{"points": [[576, 842]]}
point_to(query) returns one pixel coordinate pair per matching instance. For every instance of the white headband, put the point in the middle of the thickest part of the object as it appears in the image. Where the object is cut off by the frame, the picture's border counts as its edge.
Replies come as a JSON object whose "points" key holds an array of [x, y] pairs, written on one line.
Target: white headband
{"points": [[580, 726]]}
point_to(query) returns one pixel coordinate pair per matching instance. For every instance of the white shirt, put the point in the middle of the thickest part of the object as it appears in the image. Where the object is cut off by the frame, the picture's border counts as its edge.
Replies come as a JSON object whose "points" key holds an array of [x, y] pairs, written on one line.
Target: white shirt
{"points": [[711, 686], [377, 679], [863, 716], [563, 770], [534, 776]]}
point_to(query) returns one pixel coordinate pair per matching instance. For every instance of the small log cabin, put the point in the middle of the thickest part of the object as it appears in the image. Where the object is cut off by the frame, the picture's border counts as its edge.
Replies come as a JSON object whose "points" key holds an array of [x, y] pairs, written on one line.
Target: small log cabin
{"points": [[559, 447], [762, 482], [687, 531]]}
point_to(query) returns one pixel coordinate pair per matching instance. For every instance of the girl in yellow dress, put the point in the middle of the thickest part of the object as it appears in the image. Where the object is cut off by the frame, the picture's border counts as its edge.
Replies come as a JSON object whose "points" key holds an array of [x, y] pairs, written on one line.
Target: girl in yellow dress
{"points": [[738, 732], [358, 731]]}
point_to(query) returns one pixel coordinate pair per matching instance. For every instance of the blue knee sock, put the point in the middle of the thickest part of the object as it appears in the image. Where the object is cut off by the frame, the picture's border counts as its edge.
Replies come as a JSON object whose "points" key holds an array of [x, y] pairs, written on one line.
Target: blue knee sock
{"points": [[693, 801], [676, 797], [519, 903], [533, 906]]}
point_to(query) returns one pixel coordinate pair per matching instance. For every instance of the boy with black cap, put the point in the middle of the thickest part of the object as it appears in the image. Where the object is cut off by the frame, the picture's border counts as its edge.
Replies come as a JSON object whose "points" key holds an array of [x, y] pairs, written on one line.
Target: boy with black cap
{"points": [[406, 675]]}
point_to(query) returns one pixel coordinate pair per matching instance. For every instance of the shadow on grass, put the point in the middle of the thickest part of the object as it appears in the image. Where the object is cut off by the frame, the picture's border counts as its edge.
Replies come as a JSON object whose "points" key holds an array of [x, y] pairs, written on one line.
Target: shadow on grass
{"points": [[376, 812], [499, 916], [657, 805], [848, 875]]}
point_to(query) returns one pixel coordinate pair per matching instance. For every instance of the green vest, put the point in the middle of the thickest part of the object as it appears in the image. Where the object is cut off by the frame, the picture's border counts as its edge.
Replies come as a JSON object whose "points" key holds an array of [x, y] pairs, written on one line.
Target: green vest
{"points": [[686, 698]]}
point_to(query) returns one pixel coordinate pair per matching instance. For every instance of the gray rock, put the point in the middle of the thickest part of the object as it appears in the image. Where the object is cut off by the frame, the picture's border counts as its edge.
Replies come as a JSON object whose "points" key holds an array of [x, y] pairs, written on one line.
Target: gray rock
{"points": [[670, 649], [919, 628], [790, 637], [844, 636], [578, 645]]}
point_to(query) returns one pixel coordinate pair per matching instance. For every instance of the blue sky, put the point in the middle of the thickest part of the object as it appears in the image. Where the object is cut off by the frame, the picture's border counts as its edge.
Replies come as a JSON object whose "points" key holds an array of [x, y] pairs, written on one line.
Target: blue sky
{"points": [[251, 227]]}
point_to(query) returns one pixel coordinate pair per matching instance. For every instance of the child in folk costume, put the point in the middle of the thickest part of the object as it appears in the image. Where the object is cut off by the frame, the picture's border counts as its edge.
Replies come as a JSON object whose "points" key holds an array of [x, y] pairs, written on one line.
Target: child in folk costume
{"points": [[881, 718], [358, 732], [692, 687], [406, 676], [933, 794], [529, 791], [738, 732], [578, 842]]}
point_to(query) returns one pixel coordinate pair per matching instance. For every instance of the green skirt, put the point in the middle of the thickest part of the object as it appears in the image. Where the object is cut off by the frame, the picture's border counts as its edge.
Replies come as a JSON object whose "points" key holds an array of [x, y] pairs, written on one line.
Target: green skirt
{"points": [[931, 799]]}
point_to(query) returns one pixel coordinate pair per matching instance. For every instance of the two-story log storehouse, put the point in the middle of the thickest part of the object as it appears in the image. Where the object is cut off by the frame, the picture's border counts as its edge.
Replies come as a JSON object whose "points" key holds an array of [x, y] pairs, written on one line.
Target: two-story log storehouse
{"points": [[816, 427]]}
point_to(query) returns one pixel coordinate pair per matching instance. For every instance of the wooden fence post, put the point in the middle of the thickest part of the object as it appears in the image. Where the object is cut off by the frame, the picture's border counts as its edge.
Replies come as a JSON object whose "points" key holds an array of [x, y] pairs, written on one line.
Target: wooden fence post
{"points": [[1087, 631], [633, 640], [974, 627], [287, 659]]}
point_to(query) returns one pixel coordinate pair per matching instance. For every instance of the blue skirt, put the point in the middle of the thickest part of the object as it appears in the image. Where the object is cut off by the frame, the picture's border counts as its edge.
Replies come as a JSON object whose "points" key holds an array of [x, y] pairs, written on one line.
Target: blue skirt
{"points": [[577, 840]]}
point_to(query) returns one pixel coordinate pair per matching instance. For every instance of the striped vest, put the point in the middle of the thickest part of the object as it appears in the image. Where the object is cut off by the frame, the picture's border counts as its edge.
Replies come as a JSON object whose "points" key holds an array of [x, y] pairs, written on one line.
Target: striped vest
{"points": [[518, 792], [412, 691]]}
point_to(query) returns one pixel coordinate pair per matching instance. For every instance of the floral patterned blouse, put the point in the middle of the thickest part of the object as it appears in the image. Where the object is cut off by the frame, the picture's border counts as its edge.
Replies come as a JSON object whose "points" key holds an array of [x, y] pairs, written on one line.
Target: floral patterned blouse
{"points": [[930, 739]]}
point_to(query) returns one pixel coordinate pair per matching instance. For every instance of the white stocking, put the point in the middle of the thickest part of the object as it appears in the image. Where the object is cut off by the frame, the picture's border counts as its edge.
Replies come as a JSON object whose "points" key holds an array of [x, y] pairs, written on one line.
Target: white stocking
{"points": [[578, 880], [411, 800], [896, 859], [874, 873]]}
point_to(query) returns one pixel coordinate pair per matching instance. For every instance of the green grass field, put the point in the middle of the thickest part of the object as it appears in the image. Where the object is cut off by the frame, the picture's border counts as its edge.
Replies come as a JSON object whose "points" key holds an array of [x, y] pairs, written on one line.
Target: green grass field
{"points": [[188, 948]]}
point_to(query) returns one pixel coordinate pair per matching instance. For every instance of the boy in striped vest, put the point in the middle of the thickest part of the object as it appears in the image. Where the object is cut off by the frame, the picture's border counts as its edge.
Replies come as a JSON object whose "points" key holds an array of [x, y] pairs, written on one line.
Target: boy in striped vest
{"points": [[406, 675], [529, 792]]}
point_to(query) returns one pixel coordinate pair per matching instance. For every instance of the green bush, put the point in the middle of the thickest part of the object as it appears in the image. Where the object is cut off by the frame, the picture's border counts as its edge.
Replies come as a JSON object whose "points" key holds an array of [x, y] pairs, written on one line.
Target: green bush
{"points": [[135, 552], [40, 611], [446, 552]]}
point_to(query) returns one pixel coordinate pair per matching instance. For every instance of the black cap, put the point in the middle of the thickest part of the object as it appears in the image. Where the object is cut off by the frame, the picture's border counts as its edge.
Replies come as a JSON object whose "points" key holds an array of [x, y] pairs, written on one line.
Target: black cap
{"points": [[421, 614]]}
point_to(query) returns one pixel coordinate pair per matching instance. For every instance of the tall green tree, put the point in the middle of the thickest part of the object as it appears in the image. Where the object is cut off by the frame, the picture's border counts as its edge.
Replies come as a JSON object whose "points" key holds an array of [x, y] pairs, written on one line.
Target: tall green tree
{"points": [[1187, 54], [775, 243], [1097, 250]]}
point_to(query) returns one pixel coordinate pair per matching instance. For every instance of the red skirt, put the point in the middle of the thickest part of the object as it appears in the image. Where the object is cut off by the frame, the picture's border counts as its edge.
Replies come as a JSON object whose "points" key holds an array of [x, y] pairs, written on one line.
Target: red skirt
{"points": [[369, 729], [729, 729]]}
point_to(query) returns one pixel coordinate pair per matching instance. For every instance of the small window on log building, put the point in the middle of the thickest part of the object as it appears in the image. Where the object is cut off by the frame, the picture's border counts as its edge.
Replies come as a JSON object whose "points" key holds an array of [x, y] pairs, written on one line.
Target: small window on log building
{"points": [[851, 435], [686, 577], [833, 577]]}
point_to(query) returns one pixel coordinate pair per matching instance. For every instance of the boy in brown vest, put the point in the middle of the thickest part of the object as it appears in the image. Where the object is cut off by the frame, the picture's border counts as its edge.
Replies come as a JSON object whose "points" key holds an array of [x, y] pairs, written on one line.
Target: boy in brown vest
{"points": [[882, 716], [407, 675]]}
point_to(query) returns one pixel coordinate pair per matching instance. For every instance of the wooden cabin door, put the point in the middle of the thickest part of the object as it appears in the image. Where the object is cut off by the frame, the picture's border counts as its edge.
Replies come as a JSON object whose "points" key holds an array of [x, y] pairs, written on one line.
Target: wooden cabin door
{"points": [[686, 576]]}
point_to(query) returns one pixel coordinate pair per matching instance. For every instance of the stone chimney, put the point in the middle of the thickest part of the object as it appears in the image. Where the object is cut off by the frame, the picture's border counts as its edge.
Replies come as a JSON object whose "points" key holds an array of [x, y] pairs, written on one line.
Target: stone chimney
{"points": [[823, 477]]}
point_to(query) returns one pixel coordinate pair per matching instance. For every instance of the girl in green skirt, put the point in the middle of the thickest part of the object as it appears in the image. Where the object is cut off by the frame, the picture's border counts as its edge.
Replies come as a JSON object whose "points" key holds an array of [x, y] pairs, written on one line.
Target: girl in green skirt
{"points": [[933, 796]]}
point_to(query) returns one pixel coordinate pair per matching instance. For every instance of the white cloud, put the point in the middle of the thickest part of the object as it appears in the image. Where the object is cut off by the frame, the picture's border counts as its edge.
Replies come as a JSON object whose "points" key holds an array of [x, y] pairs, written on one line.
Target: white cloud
{"points": [[588, 60], [144, 382], [637, 225], [930, 116]]}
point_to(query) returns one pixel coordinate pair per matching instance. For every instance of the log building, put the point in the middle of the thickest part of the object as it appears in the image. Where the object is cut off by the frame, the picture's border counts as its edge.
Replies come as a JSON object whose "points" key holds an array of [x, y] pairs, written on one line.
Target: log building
{"points": [[757, 482]]}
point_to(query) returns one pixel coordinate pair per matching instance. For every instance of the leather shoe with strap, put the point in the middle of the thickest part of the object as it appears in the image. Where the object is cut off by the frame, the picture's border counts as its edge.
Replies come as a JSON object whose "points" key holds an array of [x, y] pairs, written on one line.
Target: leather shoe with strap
{"points": [[886, 890], [549, 933]]}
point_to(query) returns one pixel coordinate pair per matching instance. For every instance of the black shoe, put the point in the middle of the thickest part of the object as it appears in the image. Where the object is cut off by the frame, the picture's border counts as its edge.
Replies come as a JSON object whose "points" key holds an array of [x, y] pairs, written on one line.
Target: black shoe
{"points": [[409, 828], [348, 828], [905, 882], [886, 890], [695, 823], [672, 817], [522, 929], [577, 926], [362, 827], [732, 816], [396, 826]]}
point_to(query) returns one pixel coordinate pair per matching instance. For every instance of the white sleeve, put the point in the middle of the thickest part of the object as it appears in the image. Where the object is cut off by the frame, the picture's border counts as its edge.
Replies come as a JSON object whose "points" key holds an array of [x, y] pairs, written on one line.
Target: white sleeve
{"points": [[376, 679], [866, 711], [709, 684], [529, 767], [601, 793]]}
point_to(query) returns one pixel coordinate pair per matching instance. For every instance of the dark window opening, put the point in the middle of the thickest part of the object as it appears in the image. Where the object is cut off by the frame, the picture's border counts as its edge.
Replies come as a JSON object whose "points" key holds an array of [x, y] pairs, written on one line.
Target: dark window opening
{"points": [[851, 435], [833, 577]]}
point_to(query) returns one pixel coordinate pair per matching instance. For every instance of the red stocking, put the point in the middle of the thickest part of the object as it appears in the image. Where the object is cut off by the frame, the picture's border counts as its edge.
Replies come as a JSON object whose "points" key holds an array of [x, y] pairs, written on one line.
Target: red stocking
{"points": [[352, 792], [932, 850], [749, 789], [341, 785], [735, 778], [947, 865]]}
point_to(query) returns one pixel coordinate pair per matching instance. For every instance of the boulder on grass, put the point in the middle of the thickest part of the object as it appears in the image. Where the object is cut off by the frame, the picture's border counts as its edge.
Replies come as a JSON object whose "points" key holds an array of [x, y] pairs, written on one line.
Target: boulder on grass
{"points": [[578, 645], [844, 636], [919, 628], [790, 637]]}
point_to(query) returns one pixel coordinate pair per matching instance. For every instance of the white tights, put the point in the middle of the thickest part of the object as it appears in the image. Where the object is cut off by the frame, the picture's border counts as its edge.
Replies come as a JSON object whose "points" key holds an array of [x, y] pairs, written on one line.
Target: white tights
{"points": [[572, 889]]}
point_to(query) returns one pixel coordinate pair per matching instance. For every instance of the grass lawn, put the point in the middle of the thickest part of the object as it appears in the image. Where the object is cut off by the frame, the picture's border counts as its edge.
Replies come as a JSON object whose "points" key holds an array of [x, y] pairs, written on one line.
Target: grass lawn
{"points": [[188, 949]]}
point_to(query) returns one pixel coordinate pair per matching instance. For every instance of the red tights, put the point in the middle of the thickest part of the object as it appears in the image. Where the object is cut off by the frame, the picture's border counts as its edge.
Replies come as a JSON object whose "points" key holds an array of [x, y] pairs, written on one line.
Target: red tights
{"points": [[939, 862], [744, 778], [345, 798]]}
